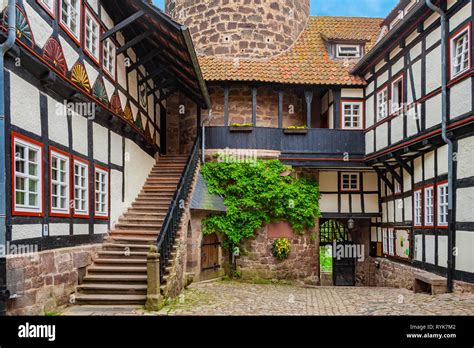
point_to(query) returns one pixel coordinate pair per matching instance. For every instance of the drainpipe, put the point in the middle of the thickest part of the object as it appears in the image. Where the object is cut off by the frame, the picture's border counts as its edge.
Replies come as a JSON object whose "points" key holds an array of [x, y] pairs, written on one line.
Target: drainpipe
{"points": [[444, 109], [203, 137], [4, 47]]}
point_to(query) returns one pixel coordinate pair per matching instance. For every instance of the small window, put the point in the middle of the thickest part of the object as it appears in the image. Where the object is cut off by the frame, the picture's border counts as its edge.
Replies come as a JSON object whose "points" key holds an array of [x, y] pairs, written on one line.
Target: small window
{"points": [[397, 95], [27, 175], [418, 208], [101, 192], [385, 240], [391, 242], [59, 176], [352, 114], [81, 188], [350, 182], [460, 52], [70, 17], [429, 206], [382, 103], [109, 58], [443, 205], [348, 51], [49, 6], [92, 33]]}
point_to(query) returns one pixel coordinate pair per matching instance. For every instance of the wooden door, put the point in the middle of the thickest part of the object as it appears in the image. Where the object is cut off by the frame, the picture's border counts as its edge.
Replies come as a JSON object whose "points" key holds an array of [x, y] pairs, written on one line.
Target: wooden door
{"points": [[210, 248]]}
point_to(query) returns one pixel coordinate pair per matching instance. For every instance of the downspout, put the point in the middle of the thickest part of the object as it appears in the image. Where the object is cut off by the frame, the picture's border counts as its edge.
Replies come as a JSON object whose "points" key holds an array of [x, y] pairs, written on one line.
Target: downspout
{"points": [[203, 137], [444, 110], [4, 47]]}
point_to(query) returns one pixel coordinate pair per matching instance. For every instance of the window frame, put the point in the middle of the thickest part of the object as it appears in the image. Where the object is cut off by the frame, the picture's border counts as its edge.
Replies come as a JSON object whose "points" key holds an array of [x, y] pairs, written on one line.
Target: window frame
{"points": [[342, 45], [114, 76], [416, 208], [73, 36], [103, 170], [440, 185], [384, 89], [391, 241], [83, 163], [349, 189], [466, 29], [425, 206], [361, 116], [385, 241], [49, 11], [63, 156], [25, 141], [91, 14], [400, 78]]}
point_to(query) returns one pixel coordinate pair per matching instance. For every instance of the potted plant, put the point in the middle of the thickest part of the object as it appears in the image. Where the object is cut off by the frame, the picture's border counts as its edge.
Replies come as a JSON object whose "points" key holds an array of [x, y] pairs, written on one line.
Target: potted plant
{"points": [[241, 127], [296, 130], [281, 248]]}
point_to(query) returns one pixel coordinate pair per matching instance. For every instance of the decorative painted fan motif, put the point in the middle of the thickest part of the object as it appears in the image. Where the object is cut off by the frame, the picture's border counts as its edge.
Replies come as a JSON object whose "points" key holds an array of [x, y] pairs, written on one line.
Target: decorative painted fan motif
{"points": [[127, 113], [53, 53], [100, 92], [115, 104], [23, 29], [79, 77], [138, 122]]}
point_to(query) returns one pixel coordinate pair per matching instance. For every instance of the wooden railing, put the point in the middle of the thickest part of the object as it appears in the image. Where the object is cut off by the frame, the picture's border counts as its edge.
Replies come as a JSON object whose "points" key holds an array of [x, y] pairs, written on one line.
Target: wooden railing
{"points": [[172, 220]]}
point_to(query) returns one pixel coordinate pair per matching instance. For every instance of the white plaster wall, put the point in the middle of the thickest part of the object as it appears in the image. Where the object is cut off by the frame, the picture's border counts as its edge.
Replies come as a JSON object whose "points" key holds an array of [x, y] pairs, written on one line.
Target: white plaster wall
{"points": [[80, 229], [433, 38], [443, 160], [397, 129], [138, 165], [416, 67], [100, 229], [369, 112], [40, 28], [70, 53], [408, 209], [59, 229], [406, 181], [57, 122], [79, 134], [429, 165], [418, 172], [25, 104], [398, 210], [328, 181], [331, 116], [460, 16], [380, 65], [411, 37], [390, 211], [433, 69], [464, 243], [430, 249], [433, 111], [20, 232], [121, 72], [116, 149], [464, 206], [356, 204], [133, 84], [415, 52], [382, 137], [443, 251], [398, 66], [384, 213], [92, 72], [352, 93], [382, 78], [101, 143], [370, 182], [371, 203], [412, 122], [109, 23], [460, 98], [465, 157], [395, 51], [431, 19], [370, 87], [418, 248], [117, 207], [328, 203]]}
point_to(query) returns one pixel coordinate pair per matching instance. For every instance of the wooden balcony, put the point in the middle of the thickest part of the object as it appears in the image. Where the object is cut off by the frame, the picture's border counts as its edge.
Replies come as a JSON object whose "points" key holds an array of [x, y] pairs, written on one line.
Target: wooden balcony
{"points": [[317, 146]]}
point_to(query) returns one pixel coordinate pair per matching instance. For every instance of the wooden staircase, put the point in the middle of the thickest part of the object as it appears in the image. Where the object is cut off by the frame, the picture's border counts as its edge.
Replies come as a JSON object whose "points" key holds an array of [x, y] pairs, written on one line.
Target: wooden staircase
{"points": [[119, 276]]}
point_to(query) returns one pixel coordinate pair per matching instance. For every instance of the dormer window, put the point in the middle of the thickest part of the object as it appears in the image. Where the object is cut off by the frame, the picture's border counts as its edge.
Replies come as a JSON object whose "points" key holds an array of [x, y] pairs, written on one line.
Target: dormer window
{"points": [[398, 19], [348, 51]]}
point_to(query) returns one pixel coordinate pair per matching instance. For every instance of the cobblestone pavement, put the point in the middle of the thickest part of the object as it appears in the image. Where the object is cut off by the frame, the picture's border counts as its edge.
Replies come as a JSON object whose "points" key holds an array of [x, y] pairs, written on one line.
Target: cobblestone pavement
{"points": [[235, 298]]}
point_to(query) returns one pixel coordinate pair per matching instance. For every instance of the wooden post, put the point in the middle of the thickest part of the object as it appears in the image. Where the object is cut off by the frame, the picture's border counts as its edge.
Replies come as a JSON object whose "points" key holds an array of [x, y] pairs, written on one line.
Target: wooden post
{"points": [[280, 109], [254, 106], [309, 101], [154, 299]]}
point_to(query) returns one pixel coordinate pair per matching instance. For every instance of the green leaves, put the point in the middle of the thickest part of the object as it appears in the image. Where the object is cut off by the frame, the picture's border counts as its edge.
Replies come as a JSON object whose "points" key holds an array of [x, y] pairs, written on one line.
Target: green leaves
{"points": [[256, 194]]}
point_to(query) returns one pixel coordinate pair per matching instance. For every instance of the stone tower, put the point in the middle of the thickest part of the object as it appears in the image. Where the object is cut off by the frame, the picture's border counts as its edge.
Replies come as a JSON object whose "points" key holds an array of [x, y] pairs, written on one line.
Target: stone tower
{"points": [[241, 28]]}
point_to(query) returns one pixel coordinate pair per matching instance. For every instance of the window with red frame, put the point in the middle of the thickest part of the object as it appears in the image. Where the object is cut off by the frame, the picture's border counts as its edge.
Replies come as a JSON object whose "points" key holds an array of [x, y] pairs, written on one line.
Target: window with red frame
{"points": [[382, 104], [443, 205], [27, 176], [397, 95], [81, 188], [70, 17], [91, 35], [352, 115], [429, 205], [101, 192], [109, 57], [59, 183], [49, 6], [418, 208], [460, 52]]}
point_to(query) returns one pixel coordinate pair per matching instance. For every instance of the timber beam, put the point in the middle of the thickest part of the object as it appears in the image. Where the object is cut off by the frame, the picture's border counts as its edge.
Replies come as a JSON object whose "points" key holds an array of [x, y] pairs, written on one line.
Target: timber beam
{"points": [[123, 24], [384, 178]]}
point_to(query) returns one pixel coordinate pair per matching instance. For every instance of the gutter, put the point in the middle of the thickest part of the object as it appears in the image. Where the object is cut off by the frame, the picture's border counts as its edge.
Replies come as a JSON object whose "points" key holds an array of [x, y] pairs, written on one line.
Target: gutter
{"points": [[4, 48], [444, 135]]}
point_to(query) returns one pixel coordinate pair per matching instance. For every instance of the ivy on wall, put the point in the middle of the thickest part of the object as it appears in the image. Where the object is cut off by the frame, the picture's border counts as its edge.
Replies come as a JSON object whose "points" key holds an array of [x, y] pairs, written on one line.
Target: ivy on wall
{"points": [[256, 194]]}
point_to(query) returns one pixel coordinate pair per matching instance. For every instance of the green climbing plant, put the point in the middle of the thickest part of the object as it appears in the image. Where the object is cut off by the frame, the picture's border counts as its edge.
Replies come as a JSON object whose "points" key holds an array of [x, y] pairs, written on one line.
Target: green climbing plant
{"points": [[258, 193]]}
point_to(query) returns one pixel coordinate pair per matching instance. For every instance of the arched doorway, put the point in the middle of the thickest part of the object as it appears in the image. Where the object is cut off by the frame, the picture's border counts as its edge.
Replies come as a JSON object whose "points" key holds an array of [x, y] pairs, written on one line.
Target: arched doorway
{"points": [[336, 264]]}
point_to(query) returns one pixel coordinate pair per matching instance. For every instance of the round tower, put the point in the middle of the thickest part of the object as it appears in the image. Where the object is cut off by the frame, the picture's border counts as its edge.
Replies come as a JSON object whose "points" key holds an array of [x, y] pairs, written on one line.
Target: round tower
{"points": [[241, 28]]}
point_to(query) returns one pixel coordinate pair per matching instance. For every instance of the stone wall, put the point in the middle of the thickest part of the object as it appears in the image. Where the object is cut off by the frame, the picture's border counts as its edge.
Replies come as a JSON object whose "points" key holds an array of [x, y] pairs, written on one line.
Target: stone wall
{"points": [[241, 28], [257, 261], [45, 281]]}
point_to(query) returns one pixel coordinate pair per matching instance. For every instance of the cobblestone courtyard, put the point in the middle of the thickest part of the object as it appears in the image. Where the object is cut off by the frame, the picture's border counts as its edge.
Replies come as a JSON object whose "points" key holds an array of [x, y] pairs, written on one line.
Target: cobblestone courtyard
{"points": [[235, 298]]}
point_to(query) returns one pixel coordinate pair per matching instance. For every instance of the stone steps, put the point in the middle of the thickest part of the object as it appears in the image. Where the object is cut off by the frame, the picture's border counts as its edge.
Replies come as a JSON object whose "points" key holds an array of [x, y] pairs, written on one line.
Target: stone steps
{"points": [[110, 299]]}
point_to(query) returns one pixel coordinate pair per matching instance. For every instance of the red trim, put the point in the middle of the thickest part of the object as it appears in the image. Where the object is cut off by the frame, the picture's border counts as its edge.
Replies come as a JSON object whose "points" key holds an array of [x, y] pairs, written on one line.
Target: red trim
{"points": [[358, 182], [400, 76], [379, 91], [421, 208], [65, 154], [103, 217], [15, 135], [113, 78], [47, 9], [84, 32], [437, 204], [73, 193], [362, 116], [453, 37], [424, 206], [77, 40]]}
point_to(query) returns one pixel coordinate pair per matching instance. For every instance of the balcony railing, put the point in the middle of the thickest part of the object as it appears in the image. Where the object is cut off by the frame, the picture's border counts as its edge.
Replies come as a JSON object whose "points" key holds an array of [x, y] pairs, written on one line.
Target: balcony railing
{"points": [[315, 143]]}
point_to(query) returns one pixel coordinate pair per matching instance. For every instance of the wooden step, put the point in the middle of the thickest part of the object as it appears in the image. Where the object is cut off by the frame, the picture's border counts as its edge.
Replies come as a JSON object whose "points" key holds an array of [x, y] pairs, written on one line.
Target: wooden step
{"points": [[112, 299]]}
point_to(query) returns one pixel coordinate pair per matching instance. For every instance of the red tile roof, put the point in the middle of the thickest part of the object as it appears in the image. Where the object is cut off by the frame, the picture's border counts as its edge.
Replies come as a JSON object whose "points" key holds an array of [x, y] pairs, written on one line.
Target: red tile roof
{"points": [[307, 61]]}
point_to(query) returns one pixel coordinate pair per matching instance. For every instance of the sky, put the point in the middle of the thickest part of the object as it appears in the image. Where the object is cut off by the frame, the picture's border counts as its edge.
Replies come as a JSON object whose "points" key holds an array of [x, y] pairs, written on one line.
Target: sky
{"points": [[358, 8]]}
